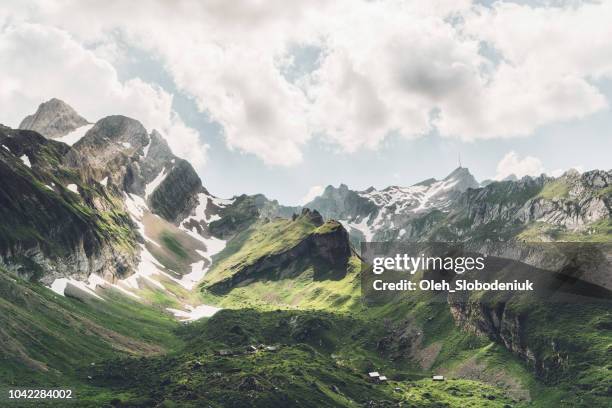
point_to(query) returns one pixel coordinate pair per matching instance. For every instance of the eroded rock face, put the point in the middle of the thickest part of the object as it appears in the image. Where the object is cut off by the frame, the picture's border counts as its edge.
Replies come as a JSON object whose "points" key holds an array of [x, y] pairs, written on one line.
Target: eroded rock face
{"points": [[53, 119]]}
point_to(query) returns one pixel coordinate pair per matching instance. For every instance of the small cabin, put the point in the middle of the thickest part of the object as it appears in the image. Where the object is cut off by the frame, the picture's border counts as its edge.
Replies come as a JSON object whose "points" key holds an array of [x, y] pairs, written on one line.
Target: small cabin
{"points": [[382, 378], [374, 374], [438, 378]]}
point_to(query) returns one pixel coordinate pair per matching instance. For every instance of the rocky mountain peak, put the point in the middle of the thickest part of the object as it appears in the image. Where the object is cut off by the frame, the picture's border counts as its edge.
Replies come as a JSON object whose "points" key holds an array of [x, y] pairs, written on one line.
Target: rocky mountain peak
{"points": [[313, 215], [118, 129], [464, 178], [53, 119]]}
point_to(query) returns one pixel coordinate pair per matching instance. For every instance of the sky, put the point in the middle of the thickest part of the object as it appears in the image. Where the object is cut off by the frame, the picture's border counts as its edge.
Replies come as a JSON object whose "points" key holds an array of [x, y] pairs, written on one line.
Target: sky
{"points": [[284, 98]]}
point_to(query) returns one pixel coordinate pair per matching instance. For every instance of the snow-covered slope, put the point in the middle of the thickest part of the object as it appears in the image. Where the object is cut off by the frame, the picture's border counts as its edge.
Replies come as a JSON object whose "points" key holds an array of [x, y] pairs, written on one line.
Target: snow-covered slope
{"points": [[382, 214], [76, 135]]}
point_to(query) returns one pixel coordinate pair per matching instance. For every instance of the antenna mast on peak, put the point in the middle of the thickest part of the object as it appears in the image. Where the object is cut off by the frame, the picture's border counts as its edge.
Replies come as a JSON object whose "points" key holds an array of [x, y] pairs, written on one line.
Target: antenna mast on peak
{"points": [[459, 159]]}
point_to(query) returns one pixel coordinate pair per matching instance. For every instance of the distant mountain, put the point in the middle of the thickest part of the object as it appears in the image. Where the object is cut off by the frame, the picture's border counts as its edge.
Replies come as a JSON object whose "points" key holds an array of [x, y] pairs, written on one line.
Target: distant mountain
{"points": [[457, 208], [379, 215], [53, 119]]}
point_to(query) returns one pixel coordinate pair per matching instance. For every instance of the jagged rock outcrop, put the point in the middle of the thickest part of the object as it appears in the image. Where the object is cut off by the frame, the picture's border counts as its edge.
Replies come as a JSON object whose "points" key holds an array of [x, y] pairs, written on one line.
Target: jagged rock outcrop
{"points": [[244, 210], [155, 159], [53, 119]]}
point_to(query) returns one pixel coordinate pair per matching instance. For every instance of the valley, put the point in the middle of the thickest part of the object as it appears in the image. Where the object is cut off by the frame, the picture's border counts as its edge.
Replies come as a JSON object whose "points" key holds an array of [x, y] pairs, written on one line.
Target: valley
{"points": [[124, 279]]}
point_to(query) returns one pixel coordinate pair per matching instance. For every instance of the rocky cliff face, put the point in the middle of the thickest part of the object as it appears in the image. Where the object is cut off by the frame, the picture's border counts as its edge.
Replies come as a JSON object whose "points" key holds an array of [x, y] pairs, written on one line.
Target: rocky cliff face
{"points": [[534, 209], [56, 220], [176, 196], [111, 146], [53, 119]]}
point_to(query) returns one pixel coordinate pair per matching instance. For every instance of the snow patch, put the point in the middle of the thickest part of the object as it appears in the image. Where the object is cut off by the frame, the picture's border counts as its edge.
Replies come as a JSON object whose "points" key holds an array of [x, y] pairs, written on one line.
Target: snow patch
{"points": [[194, 313], [76, 135], [135, 206], [97, 280], [6, 148], [198, 270], [126, 145], [147, 267], [150, 188], [200, 211], [26, 160], [49, 187], [73, 188], [59, 286], [362, 227], [146, 149], [104, 181]]}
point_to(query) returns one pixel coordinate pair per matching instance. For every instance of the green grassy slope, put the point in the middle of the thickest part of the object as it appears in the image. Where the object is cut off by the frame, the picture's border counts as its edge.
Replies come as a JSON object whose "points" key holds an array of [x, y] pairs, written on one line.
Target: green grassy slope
{"points": [[47, 339], [319, 359]]}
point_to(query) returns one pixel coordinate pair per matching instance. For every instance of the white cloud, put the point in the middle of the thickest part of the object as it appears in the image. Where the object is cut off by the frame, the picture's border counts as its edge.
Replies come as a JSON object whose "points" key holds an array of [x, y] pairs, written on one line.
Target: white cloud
{"points": [[40, 62], [389, 66], [560, 172], [513, 164], [312, 193]]}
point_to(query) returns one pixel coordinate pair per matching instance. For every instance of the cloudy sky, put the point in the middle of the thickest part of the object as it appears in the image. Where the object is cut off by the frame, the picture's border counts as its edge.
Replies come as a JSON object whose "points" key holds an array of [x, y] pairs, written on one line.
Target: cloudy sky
{"points": [[284, 97]]}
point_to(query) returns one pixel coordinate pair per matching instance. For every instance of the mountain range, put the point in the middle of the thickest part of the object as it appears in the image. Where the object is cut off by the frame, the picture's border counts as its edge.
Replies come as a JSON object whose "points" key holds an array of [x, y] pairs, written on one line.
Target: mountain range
{"points": [[124, 278]]}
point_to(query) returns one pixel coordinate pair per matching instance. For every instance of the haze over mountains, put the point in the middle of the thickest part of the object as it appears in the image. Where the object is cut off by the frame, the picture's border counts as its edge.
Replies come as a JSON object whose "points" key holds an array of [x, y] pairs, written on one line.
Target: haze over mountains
{"points": [[105, 215]]}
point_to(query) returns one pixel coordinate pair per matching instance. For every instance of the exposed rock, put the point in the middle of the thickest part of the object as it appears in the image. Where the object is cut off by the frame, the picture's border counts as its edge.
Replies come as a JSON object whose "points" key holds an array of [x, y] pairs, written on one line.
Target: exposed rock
{"points": [[53, 119], [250, 384], [52, 231], [177, 194]]}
